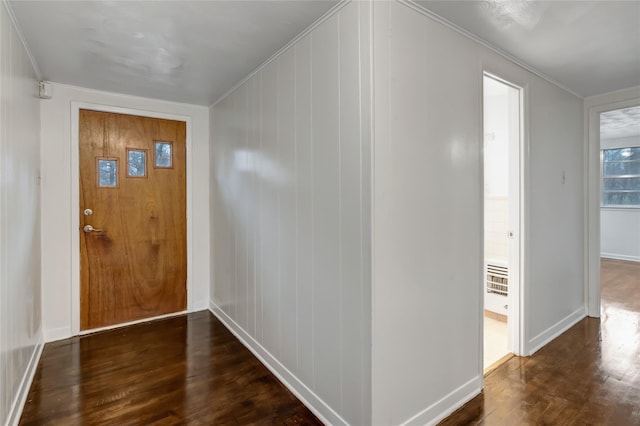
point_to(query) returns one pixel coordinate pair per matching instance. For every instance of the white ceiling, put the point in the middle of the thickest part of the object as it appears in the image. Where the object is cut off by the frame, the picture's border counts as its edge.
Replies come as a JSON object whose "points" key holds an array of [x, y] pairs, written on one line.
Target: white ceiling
{"points": [[184, 51], [590, 47], [195, 51], [620, 123]]}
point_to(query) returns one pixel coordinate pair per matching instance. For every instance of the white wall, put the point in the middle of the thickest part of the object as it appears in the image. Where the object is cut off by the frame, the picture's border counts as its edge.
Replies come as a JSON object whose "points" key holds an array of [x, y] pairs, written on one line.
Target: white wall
{"points": [[496, 224], [427, 213], [620, 227], [58, 237], [496, 138], [496, 171], [290, 216], [20, 314]]}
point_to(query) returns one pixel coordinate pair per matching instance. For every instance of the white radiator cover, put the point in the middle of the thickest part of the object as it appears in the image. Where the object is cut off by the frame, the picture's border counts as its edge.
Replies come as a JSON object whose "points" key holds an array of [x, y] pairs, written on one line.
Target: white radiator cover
{"points": [[496, 286]]}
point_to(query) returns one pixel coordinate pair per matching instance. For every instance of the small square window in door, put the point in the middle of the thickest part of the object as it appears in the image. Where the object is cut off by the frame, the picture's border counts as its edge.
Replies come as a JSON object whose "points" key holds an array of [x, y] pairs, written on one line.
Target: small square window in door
{"points": [[107, 172], [136, 163], [163, 155]]}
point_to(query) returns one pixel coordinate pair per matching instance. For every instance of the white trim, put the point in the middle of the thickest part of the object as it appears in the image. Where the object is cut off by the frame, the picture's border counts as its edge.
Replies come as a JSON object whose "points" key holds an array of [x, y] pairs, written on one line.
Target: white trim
{"points": [[620, 208], [619, 95], [525, 226], [592, 251], [15, 412], [125, 96], [620, 257], [125, 324], [55, 334], [447, 405], [312, 401], [75, 199], [556, 330], [328, 14], [481, 202], [18, 31], [428, 13], [371, 110]]}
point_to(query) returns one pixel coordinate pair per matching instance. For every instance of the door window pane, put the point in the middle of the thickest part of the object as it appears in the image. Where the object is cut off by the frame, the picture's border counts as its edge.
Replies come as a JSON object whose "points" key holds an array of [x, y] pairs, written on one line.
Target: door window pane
{"points": [[163, 154], [136, 163], [107, 173]]}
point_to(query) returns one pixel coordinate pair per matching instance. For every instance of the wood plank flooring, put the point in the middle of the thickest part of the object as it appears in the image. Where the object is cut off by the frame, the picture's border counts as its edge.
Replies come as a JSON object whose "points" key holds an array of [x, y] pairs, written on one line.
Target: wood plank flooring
{"points": [[588, 376], [186, 370], [620, 288], [190, 370]]}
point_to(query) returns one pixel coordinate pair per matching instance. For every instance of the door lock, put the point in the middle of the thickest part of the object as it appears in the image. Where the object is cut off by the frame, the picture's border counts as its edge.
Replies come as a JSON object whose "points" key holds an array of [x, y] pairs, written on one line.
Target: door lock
{"points": [[87, 212]]}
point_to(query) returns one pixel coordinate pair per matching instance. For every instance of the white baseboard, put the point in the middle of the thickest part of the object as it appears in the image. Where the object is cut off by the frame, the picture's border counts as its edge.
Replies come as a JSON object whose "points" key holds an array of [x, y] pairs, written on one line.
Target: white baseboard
{"points": [[25, 384], [555, 330], [620, 257], [312, 401], [441, 409], [54, 334]]}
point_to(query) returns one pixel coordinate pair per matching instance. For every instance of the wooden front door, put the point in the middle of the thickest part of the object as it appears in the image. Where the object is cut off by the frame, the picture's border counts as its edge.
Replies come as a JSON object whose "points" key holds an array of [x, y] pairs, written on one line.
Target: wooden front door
{"points": [[133, 248]]}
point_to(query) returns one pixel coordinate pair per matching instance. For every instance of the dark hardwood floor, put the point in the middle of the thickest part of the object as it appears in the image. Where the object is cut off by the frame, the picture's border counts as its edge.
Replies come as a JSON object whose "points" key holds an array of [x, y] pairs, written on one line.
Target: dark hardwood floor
{"points": [[186, 370], [588, 376], [191, 370]]}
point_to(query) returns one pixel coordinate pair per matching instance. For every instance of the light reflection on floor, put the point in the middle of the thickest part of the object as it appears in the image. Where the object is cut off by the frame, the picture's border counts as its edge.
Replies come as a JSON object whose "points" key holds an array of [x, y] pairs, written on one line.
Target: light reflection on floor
{"points": [[620, 335]]}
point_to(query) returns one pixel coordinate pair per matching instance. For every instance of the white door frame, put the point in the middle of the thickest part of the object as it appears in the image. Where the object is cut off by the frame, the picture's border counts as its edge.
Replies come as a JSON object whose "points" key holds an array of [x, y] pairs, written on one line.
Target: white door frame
{"points": [[517, 294], [75, 206], [592, 200]]}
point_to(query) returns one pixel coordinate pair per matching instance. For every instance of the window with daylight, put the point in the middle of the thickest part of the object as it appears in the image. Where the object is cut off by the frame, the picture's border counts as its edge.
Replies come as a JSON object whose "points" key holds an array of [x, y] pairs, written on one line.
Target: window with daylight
{"points": [[136, 163], [621, 177], [163, 155], [107, 172]]}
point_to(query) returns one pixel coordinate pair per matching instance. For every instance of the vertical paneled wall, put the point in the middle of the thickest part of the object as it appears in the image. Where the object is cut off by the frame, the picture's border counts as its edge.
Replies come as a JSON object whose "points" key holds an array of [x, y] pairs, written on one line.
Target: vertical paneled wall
{"points": [[290, 215], [427, 213], [20, 320], [427, 216], [554, 261]]}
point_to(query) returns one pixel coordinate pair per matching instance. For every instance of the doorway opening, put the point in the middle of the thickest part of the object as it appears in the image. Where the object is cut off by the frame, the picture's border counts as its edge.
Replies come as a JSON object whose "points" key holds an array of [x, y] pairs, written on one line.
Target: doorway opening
{"points": [[594, 208], [619, 213], [502, 220]]}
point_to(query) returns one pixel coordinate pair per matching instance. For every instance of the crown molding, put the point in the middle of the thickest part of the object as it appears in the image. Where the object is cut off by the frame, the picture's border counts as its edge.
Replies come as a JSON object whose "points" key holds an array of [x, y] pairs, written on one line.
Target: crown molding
{"points": [[18, 30], [327, 15], [429, 14]]}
